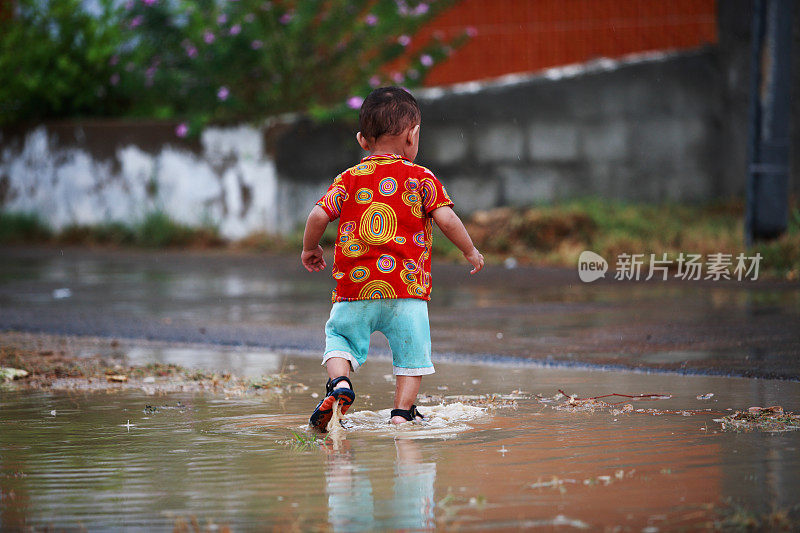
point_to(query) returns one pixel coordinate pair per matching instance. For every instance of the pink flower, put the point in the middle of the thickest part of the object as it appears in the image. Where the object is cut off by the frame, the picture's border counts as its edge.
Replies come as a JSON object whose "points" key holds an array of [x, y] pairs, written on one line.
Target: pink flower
{"points": [[149, 2], [223, 93], [191, 51], [222, 19], [472, 31], [235, 29], [426, 60], [114, 79], [374, 82], [136, 21], [371, 19], [397, 77], [402, 8], [181, 130], [286, 18], [421, 9], [354, 102], [404, 40], [256, 45], [149, 74], [208, 37]]}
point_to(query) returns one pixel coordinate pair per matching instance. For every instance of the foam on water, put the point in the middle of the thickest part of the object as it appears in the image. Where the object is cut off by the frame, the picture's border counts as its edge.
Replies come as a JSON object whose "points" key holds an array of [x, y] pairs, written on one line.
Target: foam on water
{"points": [[440, 420]]}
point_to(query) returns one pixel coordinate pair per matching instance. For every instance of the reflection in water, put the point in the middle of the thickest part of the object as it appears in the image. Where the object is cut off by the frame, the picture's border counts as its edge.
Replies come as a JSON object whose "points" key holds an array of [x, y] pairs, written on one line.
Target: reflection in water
{"points": [[351, 504]]}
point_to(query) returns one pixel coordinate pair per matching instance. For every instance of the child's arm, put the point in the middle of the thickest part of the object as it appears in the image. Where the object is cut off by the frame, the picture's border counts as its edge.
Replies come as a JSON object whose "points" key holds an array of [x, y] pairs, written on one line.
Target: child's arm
{"points": [[454, 229], [312, 252]]}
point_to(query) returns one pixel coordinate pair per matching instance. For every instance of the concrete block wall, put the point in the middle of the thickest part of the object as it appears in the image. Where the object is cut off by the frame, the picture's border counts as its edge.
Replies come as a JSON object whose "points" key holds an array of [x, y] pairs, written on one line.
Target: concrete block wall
{"points": [[644, 130]]}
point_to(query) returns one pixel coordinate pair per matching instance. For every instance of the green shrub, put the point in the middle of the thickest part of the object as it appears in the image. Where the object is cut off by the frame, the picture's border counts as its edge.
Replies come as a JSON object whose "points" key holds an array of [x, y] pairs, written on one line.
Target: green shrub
{"points": [[18, 228], [206, 60], [158, 230], [54, 57], [113, 233]]}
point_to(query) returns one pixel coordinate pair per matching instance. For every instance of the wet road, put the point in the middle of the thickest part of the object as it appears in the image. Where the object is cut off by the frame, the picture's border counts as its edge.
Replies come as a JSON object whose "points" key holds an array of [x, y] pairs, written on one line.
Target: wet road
{"points": [[264, 300]]}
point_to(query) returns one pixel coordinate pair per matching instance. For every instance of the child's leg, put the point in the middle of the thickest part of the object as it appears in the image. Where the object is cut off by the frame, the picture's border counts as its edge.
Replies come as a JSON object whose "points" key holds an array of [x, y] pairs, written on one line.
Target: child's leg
{"points": [[405, 394], [338, 366]]}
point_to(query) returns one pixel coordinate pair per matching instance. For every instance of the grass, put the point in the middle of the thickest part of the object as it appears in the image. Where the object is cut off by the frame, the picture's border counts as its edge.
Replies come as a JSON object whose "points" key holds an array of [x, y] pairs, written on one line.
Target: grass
{"points": [[557, 234], [155, 230], [552, 235], [301, 441]]}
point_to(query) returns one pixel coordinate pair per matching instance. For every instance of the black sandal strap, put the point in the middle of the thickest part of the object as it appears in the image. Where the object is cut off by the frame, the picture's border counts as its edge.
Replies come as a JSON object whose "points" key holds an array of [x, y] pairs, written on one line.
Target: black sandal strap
{"points": [[408, 414], [331, 384]]}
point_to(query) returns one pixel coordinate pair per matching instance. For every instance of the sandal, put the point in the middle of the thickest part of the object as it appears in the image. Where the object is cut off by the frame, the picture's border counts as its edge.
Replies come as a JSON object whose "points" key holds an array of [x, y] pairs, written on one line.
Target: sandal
{"points": [[324, 411], [409, 414]]}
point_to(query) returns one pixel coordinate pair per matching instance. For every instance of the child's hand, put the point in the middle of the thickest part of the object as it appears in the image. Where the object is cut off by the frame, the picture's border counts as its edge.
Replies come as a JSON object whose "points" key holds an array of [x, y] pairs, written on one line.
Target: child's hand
{"points": [[313, 259], [476, 258]]}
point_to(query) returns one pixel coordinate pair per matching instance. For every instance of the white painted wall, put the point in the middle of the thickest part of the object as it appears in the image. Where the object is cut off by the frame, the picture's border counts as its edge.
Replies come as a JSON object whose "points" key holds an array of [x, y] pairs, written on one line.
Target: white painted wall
{"points": [[67, 184]]}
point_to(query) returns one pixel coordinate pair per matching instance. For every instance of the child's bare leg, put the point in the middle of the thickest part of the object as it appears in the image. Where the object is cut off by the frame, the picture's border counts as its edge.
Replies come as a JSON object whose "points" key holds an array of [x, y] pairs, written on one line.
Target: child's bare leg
{"points": [[405, 393], [338, 366]]}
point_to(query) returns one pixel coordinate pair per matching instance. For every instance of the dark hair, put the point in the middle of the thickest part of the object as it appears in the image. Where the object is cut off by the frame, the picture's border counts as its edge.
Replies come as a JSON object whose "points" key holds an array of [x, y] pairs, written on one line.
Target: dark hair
{"points": [[388, 110]]}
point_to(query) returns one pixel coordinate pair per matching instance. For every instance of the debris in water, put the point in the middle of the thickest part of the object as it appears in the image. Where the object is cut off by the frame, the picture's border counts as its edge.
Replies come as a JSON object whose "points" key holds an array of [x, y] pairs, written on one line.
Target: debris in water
{"points": [[53, 412], [63, 370], [706, 396], [490, 401], [554, 483], [577, 401], [60, 294], [10, 374], [773, 419]]}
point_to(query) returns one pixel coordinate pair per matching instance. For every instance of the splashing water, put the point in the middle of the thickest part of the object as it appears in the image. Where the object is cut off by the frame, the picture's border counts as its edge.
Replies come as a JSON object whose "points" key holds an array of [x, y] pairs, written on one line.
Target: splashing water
{"points": [[440, 420], [334, 427]]}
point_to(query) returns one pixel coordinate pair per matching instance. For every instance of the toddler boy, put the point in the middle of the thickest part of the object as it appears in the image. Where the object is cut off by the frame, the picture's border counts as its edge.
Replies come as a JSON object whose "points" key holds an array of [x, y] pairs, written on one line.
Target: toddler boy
{"points": [[382, 256]]}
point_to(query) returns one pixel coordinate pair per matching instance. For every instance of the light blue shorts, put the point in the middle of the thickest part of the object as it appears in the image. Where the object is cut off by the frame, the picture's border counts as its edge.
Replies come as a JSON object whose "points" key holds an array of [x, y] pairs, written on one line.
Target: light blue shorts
{"points": [[404, 322]]}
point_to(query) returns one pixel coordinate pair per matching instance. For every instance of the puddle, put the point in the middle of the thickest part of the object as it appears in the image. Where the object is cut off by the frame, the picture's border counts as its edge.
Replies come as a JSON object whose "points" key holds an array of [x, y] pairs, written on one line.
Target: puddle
{"points": [[106, 461]]}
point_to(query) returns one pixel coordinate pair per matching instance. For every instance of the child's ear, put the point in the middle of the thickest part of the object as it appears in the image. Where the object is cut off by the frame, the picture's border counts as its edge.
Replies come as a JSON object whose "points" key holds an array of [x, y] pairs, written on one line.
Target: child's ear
{"points": [[412, 134], [362, 142]]}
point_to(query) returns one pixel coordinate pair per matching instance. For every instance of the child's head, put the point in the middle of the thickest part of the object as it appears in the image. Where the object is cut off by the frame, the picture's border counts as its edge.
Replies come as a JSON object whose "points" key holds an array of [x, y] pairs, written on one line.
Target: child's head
{"points": [[389, 116]]}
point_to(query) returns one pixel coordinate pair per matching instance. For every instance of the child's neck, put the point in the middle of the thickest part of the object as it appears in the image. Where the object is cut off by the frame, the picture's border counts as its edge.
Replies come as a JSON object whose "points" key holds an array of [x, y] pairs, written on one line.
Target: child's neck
{"points": [[387, 147]]}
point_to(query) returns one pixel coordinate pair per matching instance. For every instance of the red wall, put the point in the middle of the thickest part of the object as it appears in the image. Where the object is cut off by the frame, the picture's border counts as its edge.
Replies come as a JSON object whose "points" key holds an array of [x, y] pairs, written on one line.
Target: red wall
{"points": [[529, 35]]}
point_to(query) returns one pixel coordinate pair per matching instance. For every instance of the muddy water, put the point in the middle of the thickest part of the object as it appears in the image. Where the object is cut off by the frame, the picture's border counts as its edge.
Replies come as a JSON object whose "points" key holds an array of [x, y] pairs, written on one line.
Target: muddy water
{"points": [[102, 461]]}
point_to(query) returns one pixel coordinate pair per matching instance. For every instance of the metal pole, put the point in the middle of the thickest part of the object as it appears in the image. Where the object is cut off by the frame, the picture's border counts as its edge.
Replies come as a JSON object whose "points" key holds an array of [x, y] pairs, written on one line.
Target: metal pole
{"points": [[768, 136]]}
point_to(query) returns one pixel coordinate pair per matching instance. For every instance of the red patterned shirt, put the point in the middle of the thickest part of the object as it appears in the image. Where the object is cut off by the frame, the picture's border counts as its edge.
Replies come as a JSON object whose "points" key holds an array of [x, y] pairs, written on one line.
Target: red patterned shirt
{"points": [[383, 247]]}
